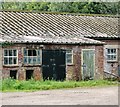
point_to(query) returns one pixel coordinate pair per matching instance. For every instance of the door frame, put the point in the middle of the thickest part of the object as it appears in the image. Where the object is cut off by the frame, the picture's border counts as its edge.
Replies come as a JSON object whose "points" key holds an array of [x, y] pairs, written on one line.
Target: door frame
{"points": [[82, 60], [53, 50]]}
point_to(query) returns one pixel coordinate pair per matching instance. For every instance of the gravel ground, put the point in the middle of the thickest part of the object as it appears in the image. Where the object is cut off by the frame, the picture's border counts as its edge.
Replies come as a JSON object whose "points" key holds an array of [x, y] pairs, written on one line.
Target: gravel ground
{"points": [[74, 96]]}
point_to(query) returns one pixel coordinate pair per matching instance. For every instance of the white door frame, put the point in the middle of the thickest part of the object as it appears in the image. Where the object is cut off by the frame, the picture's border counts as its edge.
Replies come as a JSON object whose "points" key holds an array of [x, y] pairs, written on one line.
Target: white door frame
{"points": [[82, 60]]}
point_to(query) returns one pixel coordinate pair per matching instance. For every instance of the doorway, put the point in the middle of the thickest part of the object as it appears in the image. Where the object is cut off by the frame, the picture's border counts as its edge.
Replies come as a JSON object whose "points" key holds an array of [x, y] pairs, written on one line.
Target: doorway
{"points": [[54, 64], [88, 64]]}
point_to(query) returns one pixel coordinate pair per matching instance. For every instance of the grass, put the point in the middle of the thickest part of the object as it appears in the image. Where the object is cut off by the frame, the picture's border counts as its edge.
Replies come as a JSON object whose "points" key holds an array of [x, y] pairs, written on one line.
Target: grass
{"points": [[32, 85]]}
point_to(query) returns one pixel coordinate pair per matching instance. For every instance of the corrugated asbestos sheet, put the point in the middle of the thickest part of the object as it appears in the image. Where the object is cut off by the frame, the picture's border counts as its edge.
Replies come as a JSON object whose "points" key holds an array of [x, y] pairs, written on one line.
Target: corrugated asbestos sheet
{"points": [[50, 40], [55, 28]]}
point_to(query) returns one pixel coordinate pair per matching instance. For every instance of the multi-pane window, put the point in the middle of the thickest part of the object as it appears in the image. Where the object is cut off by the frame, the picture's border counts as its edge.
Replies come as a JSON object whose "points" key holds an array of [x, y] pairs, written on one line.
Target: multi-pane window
{"points": [[112, 54], [32, 56], [69, 56], [10, 57]]}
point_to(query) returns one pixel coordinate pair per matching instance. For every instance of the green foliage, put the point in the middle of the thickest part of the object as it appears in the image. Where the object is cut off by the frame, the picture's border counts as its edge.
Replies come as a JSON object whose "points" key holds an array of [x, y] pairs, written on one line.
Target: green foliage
{"points": [[4, 44], [71, 7], [32, 85]]}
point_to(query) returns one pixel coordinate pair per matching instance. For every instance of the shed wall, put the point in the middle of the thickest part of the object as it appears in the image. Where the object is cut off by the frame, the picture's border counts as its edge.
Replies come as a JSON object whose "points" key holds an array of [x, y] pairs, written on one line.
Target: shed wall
{"points": [[0, 62], [112, 67], [73, 71]]}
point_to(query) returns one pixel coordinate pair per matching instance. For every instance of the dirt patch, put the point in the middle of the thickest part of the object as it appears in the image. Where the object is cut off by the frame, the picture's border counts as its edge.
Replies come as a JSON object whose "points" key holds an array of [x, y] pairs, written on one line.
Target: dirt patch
{"points": [[74, 96]]}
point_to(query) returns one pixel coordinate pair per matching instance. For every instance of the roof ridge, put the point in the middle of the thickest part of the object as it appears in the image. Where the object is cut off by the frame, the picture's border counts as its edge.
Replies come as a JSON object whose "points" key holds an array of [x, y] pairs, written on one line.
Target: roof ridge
{"points": [[63, 13]]}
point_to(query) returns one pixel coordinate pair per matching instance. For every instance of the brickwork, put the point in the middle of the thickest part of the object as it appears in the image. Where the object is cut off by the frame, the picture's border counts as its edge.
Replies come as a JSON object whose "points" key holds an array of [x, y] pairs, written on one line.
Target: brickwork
{"points": [[37, 73], [112, 67], [0, 62], [99, 62], [73, 71]]}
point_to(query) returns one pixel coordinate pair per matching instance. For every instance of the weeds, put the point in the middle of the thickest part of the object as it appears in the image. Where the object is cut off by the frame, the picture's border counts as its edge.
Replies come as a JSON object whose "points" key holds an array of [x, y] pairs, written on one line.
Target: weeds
{"points": [[32, 85]]}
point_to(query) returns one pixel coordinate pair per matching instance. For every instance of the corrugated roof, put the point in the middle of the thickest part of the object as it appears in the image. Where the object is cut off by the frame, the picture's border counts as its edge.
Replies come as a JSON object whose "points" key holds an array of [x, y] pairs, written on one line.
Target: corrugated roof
{"points": [[49, 40], [14, 24]]}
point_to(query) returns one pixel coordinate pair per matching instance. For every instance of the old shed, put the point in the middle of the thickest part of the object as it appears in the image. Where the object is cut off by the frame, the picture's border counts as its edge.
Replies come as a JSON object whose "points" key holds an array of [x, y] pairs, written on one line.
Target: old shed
{"points": [[52, 46]]}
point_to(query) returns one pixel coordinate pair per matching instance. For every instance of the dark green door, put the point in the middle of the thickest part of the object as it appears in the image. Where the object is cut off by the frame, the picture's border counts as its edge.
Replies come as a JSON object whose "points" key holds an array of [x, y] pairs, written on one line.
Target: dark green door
{"points": [[88, 64], [53, 64]]}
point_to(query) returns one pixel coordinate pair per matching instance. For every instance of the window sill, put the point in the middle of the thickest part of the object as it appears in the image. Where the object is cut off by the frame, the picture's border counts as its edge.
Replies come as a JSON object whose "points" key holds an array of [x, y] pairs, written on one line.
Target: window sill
{"points": [[112, 61], [24, 65], [10, 66], [31, 65], [69, 64]]}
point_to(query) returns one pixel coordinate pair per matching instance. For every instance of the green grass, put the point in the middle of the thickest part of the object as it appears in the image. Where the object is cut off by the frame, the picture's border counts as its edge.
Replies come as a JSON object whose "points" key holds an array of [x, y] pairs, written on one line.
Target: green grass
{"points": [[32, 85]]}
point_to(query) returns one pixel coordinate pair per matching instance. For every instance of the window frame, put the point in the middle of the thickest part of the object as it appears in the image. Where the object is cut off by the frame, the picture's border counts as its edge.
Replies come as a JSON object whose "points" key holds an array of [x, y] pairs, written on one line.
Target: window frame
{"points": [[116, 54], [71, 56], [32, 56], [10, 57]]}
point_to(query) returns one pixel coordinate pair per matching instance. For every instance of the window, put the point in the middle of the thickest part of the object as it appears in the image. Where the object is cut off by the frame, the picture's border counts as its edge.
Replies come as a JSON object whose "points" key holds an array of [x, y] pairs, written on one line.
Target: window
{"points": [[112, 54], [32, 56], [29, 74], [10, 57], [69, 57], [13, 74]]}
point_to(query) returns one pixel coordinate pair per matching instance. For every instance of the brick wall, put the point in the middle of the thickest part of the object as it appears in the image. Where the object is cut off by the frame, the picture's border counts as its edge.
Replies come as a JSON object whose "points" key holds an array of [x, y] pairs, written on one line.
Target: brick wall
{"points": [[73, 71], [112, 67], [0, 62]]}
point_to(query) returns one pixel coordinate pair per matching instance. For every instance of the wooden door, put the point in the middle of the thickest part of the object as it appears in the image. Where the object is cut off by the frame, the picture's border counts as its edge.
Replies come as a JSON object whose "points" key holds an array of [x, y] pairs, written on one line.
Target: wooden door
{"points": [[88, 64], [53, 64]]}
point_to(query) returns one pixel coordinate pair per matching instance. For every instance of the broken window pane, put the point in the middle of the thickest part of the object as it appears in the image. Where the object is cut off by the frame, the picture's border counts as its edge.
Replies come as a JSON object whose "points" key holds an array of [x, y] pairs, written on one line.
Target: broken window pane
{"points": [[34, 53], [29, 52], [32, 56]]}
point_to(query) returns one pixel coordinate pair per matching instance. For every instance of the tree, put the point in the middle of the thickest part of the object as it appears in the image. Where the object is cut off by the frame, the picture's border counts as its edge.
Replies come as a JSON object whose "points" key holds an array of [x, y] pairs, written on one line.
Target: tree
{"points": [[72, 7]]}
